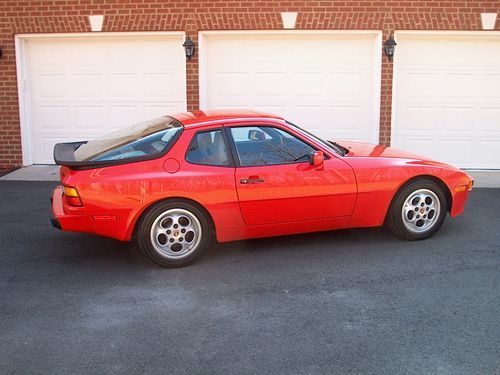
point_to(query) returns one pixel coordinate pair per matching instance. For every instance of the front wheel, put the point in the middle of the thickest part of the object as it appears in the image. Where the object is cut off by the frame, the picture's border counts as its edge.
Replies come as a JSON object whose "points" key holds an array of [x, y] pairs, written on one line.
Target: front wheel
{"points": [[173, 234], [418, 210]]}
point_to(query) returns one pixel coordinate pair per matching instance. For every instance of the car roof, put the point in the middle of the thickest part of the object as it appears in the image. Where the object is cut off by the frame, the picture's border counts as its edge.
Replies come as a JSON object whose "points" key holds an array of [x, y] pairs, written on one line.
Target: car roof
{"points": [[200, 117]]}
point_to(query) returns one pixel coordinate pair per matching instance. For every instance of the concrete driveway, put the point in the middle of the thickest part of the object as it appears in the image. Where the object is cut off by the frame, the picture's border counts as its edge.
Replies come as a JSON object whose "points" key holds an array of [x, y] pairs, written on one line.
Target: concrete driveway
{"points": [[356, 301]]}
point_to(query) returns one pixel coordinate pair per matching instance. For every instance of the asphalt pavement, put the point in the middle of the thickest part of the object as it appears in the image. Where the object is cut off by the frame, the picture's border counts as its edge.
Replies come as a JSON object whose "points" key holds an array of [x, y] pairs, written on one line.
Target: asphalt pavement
{"points": [[351, 301]]}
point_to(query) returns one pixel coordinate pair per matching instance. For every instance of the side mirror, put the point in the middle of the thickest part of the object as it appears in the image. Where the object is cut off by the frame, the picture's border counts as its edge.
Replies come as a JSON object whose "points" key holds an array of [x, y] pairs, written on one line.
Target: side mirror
{"points": [[316, 158]]}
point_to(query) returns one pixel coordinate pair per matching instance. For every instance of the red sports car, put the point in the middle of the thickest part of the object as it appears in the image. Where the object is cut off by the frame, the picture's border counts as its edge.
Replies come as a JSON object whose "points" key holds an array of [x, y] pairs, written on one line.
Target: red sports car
{"points": [[177, 181]]}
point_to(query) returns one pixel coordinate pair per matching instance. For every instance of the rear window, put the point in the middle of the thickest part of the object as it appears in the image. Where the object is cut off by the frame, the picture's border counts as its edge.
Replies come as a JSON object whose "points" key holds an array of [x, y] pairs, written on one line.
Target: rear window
{"points": [[146, 139]]}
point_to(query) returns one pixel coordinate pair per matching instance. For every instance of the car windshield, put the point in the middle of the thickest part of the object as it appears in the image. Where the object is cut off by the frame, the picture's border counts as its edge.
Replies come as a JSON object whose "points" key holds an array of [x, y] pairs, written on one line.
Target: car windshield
{"points": [[329, 145], [146, 138]]}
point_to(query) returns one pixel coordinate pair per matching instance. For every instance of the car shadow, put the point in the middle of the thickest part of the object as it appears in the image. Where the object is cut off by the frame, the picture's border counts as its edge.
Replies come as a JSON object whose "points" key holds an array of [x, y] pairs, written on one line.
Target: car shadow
{"points": [[87, 249]]}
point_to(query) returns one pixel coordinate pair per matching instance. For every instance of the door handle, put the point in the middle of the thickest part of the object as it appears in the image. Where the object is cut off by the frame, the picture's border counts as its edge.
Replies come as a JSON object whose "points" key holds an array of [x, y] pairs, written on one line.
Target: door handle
{"points": [[251, 180]]}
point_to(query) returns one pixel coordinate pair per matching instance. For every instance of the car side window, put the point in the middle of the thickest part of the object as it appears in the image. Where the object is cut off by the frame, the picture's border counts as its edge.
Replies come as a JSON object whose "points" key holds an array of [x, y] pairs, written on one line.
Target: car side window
{"points": [[208, 148], [266, 145]]}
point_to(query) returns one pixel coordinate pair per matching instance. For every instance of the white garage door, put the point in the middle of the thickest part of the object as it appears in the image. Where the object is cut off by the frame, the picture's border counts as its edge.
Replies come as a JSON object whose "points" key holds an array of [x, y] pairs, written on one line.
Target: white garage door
{"points": [[326, 82], [83, 87], [447, 97]]}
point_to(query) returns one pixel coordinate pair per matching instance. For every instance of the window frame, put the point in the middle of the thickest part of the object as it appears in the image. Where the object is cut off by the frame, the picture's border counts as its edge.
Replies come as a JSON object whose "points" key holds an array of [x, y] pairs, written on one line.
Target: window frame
{"points": [[226, 144], [234, 151]]}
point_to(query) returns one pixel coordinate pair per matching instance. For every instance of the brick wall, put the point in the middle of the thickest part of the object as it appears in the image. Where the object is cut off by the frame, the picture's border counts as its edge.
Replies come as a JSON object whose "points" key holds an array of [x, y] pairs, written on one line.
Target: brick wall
{"points": [[64, 16]]}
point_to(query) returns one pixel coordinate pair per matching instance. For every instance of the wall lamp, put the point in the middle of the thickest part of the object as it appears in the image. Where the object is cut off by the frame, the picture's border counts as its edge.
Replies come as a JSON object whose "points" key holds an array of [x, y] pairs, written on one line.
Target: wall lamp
{"points": [[1, 52], [189, 47], [389, 47]]}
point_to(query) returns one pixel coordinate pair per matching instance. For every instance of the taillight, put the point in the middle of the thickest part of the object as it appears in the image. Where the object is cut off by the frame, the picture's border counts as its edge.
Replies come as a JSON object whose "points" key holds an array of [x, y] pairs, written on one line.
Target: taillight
{"points": [[72, 196]]}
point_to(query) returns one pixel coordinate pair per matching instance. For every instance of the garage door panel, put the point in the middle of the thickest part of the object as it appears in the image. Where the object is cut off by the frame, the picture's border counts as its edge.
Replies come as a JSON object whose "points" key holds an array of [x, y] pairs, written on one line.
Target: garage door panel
{"points": [[123, 53], [53, 85], [463, 55], [490, 83], [416, 118], [51, 117], [490, 54], [267, 84], [86, 85], [417, 84], [119, 114], [155, 85], [230, 88], [307, 84], [458, 85], [457, 119], [156, 110], [84, 55], [124, 85], [419, 143], [250, 71], [99, 84], [89, 117], [459, 149], [46, 54], [166, 57], [489, 152], [452, 98], [348, 84], [491, 124]]}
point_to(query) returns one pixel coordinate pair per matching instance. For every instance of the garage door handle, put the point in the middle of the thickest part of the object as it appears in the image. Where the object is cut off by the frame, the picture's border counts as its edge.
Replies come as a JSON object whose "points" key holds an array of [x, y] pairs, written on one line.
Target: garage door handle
{"points": [[251, 180]]}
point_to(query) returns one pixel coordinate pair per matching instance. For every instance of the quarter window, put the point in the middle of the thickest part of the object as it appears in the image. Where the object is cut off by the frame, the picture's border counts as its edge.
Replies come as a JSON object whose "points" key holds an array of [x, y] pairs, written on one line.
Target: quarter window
{"points": [[265, 145], [208, 148]]}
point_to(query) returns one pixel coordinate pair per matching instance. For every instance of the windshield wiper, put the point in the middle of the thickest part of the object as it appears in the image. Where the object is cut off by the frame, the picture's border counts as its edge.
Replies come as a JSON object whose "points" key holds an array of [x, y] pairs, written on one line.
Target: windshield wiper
{"points": [[343, 150], [301, 157]]}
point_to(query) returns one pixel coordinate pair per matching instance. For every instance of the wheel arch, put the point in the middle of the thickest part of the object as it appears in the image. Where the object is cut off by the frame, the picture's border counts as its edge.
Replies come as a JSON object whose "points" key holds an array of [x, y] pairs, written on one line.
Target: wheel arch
{"points": [[136, 220], [435, 179]]}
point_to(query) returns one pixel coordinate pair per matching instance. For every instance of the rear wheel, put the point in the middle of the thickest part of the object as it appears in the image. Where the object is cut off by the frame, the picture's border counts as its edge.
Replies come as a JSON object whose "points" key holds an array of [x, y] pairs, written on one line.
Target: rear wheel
{"points": [[418, 210], [173, 234]]}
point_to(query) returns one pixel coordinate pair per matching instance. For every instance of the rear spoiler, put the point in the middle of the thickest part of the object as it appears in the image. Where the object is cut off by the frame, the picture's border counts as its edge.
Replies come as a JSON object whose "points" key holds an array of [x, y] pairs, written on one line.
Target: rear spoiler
{"points": [[64, 154]]}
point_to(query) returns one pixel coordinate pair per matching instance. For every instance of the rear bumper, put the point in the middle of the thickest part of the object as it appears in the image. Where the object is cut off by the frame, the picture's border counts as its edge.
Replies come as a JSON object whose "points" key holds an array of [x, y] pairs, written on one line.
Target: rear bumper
{"points": [[55, 223], [77, 221]]}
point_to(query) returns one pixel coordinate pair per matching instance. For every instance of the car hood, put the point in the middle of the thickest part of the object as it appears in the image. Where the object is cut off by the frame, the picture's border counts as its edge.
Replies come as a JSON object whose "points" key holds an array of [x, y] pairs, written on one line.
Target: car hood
{"points": [[361, 149]]}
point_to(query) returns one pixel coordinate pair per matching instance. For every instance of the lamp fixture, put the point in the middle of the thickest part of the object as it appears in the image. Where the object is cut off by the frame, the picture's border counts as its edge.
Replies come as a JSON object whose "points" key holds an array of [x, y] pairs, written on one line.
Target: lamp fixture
{"points": [[189, 47], [389, 47]]}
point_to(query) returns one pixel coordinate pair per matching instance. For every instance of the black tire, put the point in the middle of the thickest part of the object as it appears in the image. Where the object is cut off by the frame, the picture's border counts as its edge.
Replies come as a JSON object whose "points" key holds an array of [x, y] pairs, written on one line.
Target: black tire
{"points": [[174, 233], [418, 210]]}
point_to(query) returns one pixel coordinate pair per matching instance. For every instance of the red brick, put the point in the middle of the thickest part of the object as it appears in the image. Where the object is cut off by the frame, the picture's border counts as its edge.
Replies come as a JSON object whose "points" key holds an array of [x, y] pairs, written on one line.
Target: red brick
{"points": [[63, 16]]}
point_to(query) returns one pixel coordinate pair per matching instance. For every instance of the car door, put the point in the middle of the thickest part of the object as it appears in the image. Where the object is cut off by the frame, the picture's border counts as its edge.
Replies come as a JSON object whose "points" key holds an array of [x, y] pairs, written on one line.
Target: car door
{"points": [[277, 184]]}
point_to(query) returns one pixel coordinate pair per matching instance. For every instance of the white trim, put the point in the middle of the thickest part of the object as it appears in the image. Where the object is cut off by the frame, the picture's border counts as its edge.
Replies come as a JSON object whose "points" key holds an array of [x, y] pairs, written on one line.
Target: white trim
{"points": [[24, 101], [395, 64], [202, 76], [202, 62], [101, 35], [23, 84], [445, 32], [286, 32], [377, 84]]}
